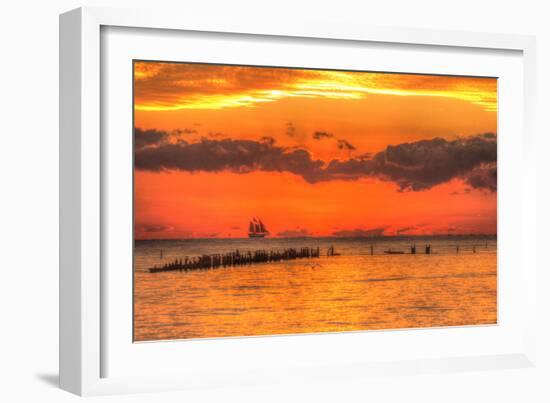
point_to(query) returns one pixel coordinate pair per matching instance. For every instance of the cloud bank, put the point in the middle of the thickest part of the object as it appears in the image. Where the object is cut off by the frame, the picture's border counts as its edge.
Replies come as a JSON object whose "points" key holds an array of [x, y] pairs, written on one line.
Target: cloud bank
{"points": [[144, 138], [404, 230], [154, 228], [294, 233], [360, 233], [423, 164], [414, 166]]}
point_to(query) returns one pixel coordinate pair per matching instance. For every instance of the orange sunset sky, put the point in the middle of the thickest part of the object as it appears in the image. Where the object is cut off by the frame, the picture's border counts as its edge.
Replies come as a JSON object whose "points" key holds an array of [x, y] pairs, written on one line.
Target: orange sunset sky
{"points": [[311, 152]]}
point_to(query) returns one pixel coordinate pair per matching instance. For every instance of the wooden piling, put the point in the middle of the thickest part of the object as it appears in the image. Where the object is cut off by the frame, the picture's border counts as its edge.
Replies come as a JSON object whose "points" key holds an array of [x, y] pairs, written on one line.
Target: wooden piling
{"points": [[236, 258]]}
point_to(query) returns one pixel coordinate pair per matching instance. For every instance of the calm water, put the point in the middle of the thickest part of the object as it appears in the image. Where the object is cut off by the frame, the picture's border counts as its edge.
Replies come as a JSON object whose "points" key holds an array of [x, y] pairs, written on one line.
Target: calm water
{"points": [[354, 291]]}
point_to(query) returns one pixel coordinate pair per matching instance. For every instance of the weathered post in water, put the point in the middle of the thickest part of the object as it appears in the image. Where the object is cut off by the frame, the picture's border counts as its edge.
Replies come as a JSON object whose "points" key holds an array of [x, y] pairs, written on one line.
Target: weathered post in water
{"points": [[231, 259]]}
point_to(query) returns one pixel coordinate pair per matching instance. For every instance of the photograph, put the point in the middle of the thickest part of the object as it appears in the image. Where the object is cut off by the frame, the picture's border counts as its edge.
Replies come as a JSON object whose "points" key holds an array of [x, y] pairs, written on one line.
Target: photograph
{"points": [[270, 200]]}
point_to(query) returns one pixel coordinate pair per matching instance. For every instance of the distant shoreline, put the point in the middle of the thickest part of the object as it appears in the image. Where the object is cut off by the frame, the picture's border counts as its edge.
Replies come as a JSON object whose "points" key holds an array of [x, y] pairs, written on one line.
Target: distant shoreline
{"points": [[335, 238]]}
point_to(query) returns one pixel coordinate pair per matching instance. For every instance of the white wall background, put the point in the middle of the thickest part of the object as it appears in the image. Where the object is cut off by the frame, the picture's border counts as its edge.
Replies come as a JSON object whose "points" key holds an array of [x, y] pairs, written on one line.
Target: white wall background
{"points": [[29, 201]]}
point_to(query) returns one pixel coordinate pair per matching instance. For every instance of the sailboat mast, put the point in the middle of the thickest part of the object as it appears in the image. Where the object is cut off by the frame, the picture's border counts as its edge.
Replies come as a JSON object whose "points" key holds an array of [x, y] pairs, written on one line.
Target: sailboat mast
{"points": [[256, 228]]}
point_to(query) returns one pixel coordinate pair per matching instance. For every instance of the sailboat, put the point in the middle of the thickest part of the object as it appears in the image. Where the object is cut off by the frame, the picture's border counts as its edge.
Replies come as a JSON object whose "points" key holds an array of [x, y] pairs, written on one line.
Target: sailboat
{"points": [[257, 229]]}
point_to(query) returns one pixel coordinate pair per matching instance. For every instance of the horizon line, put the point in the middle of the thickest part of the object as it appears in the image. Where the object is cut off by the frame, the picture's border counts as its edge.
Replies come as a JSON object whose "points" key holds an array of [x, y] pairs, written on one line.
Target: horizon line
{"points": [[325, 237]]}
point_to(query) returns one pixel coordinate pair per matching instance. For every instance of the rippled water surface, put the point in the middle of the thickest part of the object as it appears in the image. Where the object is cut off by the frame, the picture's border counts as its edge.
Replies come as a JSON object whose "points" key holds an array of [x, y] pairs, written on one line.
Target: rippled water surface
{"points": [[353, 291]]}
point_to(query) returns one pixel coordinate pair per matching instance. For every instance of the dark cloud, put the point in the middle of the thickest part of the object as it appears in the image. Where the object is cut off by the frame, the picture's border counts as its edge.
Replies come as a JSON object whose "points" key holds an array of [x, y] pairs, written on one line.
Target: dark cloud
{"points": [[483, 177], [404, 229], [185, 131], [149, 138], [322, 135], [423, 164], [240, 156], [290, 129], [426, 163], [360, 233], [268, 140], [490, 136], [345, 145], [294, 233], [154, 228], [145, 138], [412, 166]]}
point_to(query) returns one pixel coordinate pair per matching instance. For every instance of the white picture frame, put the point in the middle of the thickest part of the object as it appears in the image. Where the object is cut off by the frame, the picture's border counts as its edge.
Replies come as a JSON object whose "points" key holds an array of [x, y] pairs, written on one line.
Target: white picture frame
{"points": [[85, 344]]}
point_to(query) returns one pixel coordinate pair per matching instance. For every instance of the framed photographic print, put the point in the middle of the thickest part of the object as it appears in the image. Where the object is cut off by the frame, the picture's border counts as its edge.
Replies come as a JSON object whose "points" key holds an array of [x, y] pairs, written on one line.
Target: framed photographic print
{"points": [[240, 206], [306, 201]]}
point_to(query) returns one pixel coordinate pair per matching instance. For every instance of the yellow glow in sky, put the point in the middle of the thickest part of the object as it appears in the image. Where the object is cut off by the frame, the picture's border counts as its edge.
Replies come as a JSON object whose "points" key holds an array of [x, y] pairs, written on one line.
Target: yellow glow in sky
{"points": [[215, 89]]}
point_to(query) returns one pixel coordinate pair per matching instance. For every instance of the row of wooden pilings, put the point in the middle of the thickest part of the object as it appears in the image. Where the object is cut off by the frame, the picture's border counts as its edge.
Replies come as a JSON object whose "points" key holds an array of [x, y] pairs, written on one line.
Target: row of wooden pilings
{"points": [[238, 258], [427, 249]]}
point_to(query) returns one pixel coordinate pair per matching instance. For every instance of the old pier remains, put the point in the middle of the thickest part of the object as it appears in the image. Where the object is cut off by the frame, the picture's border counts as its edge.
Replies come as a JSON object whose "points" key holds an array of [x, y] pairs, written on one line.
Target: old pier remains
{"points": [[238, 258]]}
